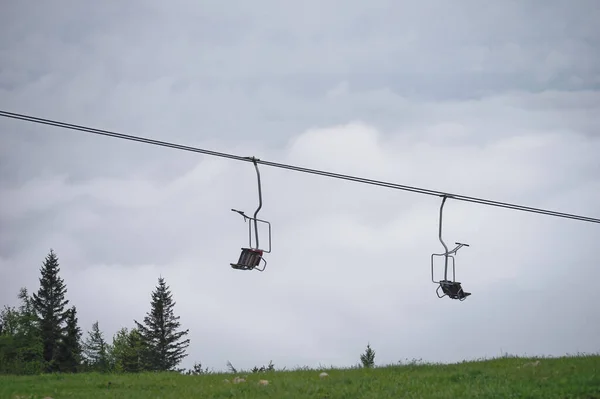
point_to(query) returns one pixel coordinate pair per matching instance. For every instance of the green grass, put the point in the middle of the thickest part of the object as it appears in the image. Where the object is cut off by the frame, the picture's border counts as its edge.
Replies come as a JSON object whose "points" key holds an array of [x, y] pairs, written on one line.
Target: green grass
{"points": [[509, 377]]}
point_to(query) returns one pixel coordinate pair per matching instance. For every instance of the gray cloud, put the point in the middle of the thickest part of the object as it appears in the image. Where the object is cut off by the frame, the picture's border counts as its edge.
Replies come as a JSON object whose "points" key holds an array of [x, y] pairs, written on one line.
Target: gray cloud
{"points": [[498, 101]]}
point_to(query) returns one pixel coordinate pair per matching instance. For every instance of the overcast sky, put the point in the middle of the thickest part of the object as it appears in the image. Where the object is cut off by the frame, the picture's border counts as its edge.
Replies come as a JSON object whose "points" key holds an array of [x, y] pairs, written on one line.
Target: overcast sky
{"points": [[492, 99]]}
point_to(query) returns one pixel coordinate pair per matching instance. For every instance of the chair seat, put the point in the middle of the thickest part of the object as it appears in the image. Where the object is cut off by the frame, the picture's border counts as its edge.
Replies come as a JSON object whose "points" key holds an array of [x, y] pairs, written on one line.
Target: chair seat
{"points": [[453, 289], [249, 259]]}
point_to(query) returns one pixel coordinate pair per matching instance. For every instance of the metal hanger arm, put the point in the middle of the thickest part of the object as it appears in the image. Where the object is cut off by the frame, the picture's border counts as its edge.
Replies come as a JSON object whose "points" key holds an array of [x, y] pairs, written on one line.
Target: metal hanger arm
{"points": [[259, 201]]}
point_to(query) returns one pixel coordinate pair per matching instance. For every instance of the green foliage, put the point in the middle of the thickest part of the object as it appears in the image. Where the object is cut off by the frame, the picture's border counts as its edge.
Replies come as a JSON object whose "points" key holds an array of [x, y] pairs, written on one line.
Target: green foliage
{"points": [[231, 368], [118, 349], [29, 338], [42, 335], [367, 359], [127, 351], [49, 304], [569, 377], [21, 348], [163, 346], [96, 351], [197, 370], [262, 369], [70, 349], [8, 320], [8, 353]]}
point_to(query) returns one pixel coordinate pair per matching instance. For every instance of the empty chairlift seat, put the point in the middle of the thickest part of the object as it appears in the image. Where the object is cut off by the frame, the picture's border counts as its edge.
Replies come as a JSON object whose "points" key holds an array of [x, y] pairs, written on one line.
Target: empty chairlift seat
{"points": [[453, 289], [251, 257], [450, 288]]}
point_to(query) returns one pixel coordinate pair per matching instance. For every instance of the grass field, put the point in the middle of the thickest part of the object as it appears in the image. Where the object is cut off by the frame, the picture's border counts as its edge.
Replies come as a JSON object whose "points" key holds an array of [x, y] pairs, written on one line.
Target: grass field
{"points": [[566, 377]]}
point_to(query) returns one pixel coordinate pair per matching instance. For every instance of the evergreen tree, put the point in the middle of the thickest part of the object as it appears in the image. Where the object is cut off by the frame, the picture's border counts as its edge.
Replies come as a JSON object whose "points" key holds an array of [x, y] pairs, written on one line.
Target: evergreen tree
{"points": [[163, 345], [127, 351], [119, 347], [49, 304], [29, 336], [70, 349], [368, 358], [9, 320], [21, 348], [96, 350], [8, 348], [133, 359]]}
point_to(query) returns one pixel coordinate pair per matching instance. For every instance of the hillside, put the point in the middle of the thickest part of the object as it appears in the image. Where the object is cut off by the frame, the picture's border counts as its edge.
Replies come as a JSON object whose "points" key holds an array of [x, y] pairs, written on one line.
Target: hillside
{"points": [[511, 377]]}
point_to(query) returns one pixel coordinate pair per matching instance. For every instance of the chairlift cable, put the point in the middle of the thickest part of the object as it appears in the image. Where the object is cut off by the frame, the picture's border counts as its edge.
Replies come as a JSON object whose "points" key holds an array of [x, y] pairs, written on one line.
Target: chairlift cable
{"points": [[417, 190]]}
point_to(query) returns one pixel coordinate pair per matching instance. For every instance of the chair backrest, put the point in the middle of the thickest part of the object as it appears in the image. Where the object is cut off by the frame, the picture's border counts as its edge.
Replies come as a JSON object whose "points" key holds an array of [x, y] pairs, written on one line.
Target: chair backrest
{"points": [[250, 257]]}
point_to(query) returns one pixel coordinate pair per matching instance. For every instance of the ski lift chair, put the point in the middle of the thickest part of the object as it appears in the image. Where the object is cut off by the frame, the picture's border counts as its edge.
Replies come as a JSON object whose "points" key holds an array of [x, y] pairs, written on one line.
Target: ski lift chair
{"points": [[450, 288], [251, 257]]}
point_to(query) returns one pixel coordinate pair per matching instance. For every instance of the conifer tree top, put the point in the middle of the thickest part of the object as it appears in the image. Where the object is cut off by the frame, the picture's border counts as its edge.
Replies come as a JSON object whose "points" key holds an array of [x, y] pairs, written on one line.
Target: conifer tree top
{"points": [[164, 344], [51, 294]]}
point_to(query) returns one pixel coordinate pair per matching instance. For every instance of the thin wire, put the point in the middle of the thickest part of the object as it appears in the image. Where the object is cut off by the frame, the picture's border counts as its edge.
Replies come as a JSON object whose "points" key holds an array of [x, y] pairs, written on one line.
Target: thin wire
{"points": [[418, 190]]}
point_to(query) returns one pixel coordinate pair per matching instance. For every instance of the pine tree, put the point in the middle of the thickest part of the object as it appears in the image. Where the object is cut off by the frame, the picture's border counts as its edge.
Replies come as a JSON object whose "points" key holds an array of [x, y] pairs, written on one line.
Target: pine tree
{"points": [[96, 350], [30, 335], [163, 345], [9, 321], [368, 358], [49, 304], [127, 351], [119, 349], [132, 361], [21, 349], [70, 349]]}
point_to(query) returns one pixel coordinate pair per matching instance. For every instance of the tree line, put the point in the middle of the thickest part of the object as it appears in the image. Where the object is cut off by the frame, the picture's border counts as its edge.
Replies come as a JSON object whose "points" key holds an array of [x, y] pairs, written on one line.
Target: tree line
{"points": [[42, 334]]}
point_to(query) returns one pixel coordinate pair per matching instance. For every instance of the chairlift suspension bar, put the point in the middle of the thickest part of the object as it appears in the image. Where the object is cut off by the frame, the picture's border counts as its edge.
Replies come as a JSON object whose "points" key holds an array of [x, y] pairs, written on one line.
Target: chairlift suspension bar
{"points": [[254, 161], [442, 241]]}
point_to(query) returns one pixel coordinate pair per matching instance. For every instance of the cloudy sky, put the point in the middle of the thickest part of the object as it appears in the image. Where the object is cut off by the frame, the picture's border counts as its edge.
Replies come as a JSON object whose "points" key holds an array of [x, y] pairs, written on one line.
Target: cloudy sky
{"points": [[492, 99]]}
